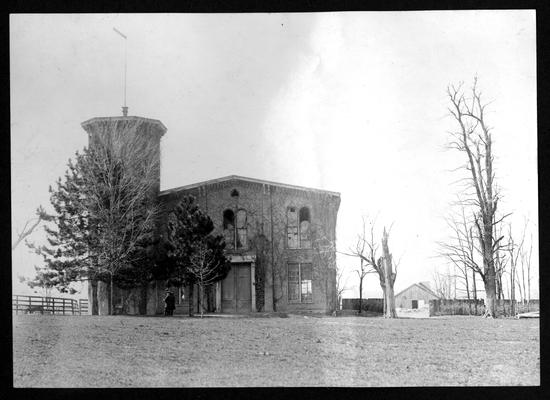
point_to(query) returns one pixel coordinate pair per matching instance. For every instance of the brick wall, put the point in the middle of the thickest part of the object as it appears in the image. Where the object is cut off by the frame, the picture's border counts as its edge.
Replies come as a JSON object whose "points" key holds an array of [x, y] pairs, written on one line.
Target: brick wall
{"points": [[266, 207]]}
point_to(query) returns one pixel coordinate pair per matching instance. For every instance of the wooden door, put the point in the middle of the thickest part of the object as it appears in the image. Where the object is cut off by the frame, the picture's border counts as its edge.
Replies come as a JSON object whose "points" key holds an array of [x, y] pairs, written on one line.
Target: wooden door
{"points": [[415, 304], [228, 292], [243, 289], [236, 292]]}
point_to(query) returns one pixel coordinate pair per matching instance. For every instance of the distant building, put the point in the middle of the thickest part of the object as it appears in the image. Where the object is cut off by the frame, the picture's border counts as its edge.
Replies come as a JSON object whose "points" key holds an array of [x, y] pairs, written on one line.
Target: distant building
{"points": [[415, 296], [277, 238]]}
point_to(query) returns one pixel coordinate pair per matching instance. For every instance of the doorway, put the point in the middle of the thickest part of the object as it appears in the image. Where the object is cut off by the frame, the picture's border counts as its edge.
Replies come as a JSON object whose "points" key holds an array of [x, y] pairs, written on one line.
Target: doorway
{"points": [[236, 289]]}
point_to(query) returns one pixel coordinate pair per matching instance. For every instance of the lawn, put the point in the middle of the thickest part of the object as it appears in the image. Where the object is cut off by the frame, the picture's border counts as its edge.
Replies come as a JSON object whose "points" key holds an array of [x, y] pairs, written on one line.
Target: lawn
{"points": [[127, 351]]}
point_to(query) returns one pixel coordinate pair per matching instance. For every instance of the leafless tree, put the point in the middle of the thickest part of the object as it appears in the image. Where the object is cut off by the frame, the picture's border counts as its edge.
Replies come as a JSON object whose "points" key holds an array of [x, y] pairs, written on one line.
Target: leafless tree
{"points": [[129, 168], [526, 270], [515, 250], [460, 251], [31, 225], [389, 275], [444, 283], [474, 140], [501, 261], [366, 250], [341, 285], [363, 270], [203, 267]]}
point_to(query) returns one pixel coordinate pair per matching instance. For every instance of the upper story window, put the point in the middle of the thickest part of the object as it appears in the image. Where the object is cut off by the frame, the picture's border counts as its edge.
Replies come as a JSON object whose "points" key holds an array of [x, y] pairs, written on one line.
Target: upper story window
{"points": [[298, 228], [229, 228], [235, 229], [292, 227], [305, 228], [241, 229]]}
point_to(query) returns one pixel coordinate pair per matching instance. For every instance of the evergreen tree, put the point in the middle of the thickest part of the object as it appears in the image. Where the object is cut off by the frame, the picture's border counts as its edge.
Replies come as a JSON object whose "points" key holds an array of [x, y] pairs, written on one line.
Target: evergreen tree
{"points": [[195, 255], [104, 215]]}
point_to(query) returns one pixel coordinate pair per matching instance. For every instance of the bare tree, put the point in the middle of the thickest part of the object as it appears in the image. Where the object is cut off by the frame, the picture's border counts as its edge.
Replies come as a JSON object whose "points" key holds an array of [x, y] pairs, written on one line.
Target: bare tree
{"points": [[341, 285], [474, 139], [526, 268], [444, 283], [389, 276], [515, 250], [204, 267], [31, 225], [460, 251], [501, 261], [366, 249], [122, 171], [362, 272]]}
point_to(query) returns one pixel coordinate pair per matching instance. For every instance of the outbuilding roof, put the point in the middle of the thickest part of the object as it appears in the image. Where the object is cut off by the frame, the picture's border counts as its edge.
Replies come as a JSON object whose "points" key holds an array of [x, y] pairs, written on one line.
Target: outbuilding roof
{"points": [[421, 286]]}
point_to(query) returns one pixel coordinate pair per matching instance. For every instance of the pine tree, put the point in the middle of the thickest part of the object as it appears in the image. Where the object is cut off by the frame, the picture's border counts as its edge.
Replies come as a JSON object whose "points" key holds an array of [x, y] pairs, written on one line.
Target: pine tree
{"points": [[104, 216], [195, 255]]}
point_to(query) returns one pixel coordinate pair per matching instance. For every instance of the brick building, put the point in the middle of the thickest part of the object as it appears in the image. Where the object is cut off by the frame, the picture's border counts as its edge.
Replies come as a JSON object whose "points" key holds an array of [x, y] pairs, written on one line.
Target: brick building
{"points": [[280, 240]]}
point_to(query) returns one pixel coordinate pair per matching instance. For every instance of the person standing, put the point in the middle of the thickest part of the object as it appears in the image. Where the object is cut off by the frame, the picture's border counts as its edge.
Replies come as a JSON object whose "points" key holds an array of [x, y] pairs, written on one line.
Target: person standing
{"points": [[170, 301]]}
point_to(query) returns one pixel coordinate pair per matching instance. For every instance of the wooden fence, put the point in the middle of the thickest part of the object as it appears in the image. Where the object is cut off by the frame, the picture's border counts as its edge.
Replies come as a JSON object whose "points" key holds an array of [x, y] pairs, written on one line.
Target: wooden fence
{"points": [[471, 307], [83, 305], [45, 305], [369, 304]]}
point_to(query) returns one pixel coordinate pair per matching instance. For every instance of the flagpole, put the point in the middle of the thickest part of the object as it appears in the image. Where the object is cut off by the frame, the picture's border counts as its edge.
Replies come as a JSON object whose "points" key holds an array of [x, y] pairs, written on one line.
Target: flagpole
{"points": [[124, 107]]}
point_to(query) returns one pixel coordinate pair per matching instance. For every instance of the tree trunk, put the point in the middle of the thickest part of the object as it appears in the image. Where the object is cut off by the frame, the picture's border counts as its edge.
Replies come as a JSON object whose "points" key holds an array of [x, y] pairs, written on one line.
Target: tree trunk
{"points": [[467, 290], [490, 294], [200, 299], [383, 297], [512, 292], [389, 277], [191, 311], [529, 288], [360, 294], [111, 296], [474, 288]]}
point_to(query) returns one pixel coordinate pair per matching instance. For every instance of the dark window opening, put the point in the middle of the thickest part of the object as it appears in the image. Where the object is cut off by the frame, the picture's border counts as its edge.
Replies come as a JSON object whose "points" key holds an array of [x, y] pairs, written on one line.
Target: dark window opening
{"points": [[241, 229], [292, 228], [229, 228], [305, 228]]}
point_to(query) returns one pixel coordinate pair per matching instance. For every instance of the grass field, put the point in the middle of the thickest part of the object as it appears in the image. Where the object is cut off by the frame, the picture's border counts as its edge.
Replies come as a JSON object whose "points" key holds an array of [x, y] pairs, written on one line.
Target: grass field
{"points": [[126, 351]]}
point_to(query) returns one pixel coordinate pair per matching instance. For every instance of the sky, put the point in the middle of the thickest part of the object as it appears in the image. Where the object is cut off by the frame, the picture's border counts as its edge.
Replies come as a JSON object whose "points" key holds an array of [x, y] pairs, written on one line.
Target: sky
{"points": [[352, 102]]}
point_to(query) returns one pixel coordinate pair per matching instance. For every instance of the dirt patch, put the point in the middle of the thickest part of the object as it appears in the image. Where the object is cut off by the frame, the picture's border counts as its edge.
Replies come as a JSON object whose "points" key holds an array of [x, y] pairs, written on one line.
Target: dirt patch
{"points": [[124, 351]]}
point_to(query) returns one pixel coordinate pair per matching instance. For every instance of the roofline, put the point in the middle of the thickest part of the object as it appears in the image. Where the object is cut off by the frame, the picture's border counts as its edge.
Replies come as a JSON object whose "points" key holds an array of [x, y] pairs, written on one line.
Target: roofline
{"points": [[419, 284], [130, 118], [253, 180]]}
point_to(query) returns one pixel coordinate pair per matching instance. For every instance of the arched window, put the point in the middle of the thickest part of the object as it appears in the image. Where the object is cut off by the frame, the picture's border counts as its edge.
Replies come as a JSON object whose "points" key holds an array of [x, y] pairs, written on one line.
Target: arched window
{"points": [[292, 227], [229, 228], [305, 228], [241, 229]]}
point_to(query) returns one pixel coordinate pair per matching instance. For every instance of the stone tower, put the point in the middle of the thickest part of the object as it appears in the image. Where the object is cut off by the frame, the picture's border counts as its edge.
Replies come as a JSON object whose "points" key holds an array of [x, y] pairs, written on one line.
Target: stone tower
{"points": [[145, 135]]}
